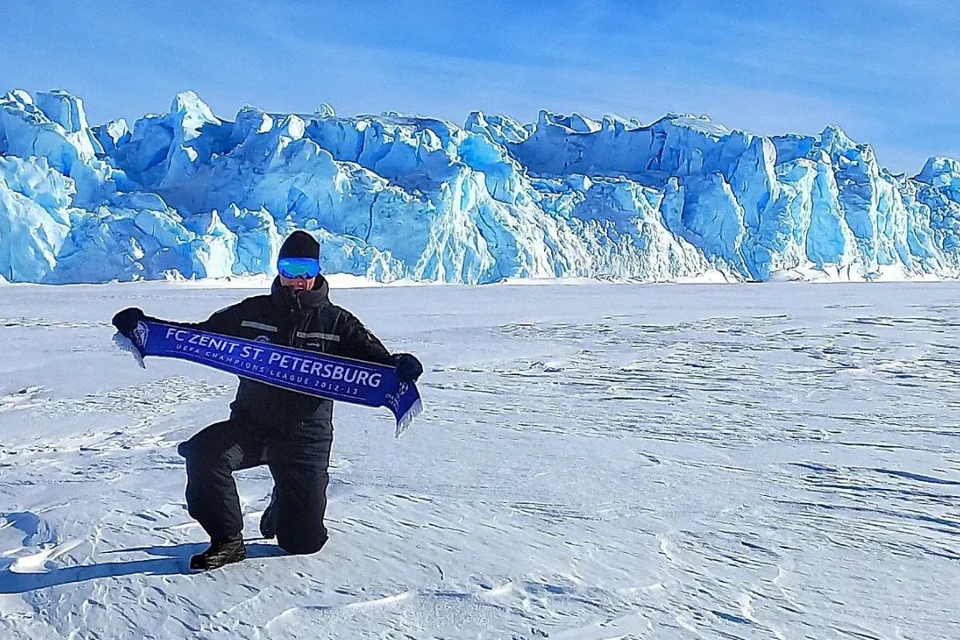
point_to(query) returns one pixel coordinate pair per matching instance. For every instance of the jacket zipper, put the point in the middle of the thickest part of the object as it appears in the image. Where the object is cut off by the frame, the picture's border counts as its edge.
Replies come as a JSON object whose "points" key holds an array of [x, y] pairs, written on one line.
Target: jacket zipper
{"points": [[301, 322], [296, 310]]}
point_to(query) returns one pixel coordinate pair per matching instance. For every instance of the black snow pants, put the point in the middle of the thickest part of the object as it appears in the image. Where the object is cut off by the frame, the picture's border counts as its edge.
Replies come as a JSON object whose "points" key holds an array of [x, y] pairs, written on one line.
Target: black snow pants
{"points": [[298, 456]]}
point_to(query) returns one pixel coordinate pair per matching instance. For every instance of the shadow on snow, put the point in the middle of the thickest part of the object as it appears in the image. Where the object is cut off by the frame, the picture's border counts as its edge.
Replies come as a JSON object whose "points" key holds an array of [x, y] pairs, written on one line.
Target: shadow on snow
{"points": [[174, 561]]}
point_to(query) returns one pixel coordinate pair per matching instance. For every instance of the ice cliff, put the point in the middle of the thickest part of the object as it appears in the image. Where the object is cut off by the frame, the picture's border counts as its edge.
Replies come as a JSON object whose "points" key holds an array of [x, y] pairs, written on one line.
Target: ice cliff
{"points": [[187, 194]]}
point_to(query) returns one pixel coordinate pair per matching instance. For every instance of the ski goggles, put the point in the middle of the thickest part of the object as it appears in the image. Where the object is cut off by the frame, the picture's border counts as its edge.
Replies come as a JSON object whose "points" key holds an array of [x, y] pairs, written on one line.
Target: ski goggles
{"points": [[298, 267]]}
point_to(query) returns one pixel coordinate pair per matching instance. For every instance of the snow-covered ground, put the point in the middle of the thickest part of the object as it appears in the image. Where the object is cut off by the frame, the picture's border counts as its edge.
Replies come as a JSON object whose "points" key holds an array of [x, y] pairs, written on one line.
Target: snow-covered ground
{"points": [[594, 461]]}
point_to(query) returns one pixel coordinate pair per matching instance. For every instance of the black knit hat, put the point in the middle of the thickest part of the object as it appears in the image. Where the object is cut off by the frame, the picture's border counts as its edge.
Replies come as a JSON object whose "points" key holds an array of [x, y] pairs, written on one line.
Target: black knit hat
{"points": [[300, 244]]}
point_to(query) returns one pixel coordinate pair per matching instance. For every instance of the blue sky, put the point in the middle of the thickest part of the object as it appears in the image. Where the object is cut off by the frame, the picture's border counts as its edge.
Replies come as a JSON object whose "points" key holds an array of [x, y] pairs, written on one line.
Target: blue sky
{"points": [[887, 71]]}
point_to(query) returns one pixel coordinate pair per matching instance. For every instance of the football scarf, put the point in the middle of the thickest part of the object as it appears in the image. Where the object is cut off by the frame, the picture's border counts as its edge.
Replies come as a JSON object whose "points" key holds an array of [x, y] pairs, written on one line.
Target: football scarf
{"points": [[316, 374]]}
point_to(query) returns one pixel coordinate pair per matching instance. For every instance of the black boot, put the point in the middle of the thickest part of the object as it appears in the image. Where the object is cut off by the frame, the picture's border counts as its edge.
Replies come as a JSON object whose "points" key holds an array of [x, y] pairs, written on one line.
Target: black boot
{"points": [[219, 553], [268, 521]]}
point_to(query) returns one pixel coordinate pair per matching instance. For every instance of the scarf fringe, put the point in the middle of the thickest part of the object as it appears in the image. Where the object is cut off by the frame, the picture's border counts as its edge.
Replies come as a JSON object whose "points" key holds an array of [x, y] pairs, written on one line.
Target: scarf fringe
{"points": [[407, 419], [125, 344]]}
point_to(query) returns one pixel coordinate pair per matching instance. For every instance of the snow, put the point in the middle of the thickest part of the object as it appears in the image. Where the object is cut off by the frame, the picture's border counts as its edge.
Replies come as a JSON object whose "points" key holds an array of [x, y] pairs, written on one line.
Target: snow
{"points": [[187, 194], [595, 461]]}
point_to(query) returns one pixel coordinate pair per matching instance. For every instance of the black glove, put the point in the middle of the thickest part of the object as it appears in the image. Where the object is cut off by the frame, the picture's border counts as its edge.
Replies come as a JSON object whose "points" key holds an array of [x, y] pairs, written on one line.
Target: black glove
{"points": [[408, 367], [126, 321]]}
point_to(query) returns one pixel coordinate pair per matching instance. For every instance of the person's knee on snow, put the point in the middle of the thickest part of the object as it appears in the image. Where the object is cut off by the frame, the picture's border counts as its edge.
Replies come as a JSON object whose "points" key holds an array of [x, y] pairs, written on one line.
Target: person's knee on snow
{"points": [[302, 544], [298, 518], [299, 523]]}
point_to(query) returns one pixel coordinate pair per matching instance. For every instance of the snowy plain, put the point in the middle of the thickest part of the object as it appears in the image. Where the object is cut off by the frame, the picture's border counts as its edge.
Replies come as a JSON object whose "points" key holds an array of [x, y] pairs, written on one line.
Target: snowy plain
{"points": [[594, 461]]}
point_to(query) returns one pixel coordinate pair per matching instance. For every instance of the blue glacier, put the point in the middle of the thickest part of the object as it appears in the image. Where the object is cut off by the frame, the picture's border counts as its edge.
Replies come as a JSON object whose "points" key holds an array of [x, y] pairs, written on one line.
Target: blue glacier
{"points": [[186, 194]]}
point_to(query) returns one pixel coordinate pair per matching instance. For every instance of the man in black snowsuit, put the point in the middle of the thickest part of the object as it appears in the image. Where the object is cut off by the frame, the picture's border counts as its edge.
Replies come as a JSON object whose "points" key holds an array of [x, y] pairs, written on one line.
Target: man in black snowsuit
{"points": [[289, 431]]}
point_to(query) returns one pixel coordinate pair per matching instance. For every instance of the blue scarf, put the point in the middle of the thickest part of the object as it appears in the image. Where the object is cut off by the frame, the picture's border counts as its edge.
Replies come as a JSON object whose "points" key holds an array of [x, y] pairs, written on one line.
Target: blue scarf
{"points": [[315, 374]]}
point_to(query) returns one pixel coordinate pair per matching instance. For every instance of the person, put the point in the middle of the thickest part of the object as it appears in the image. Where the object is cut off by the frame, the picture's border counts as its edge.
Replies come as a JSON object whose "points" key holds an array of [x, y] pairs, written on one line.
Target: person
{"points": [[290, 432]]}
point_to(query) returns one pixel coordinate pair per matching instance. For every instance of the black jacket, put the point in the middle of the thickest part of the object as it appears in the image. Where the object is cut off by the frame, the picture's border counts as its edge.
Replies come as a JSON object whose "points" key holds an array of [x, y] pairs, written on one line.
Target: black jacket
{"points": [[305, 320]]}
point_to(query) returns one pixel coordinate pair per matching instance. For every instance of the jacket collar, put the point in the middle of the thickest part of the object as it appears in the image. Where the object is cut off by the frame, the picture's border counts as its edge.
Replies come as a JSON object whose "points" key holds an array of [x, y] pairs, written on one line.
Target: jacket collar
{"points": [[318, 296]]}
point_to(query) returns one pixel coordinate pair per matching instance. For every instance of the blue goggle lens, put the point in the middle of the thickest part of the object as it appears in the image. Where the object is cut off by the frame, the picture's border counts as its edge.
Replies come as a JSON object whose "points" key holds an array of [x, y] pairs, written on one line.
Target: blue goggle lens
{"points": [[298, 267]]}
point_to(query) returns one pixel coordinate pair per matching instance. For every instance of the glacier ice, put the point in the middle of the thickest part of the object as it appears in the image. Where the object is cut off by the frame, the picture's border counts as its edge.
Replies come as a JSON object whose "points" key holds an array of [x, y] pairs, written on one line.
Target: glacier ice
{"points": [[188, 194]]}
